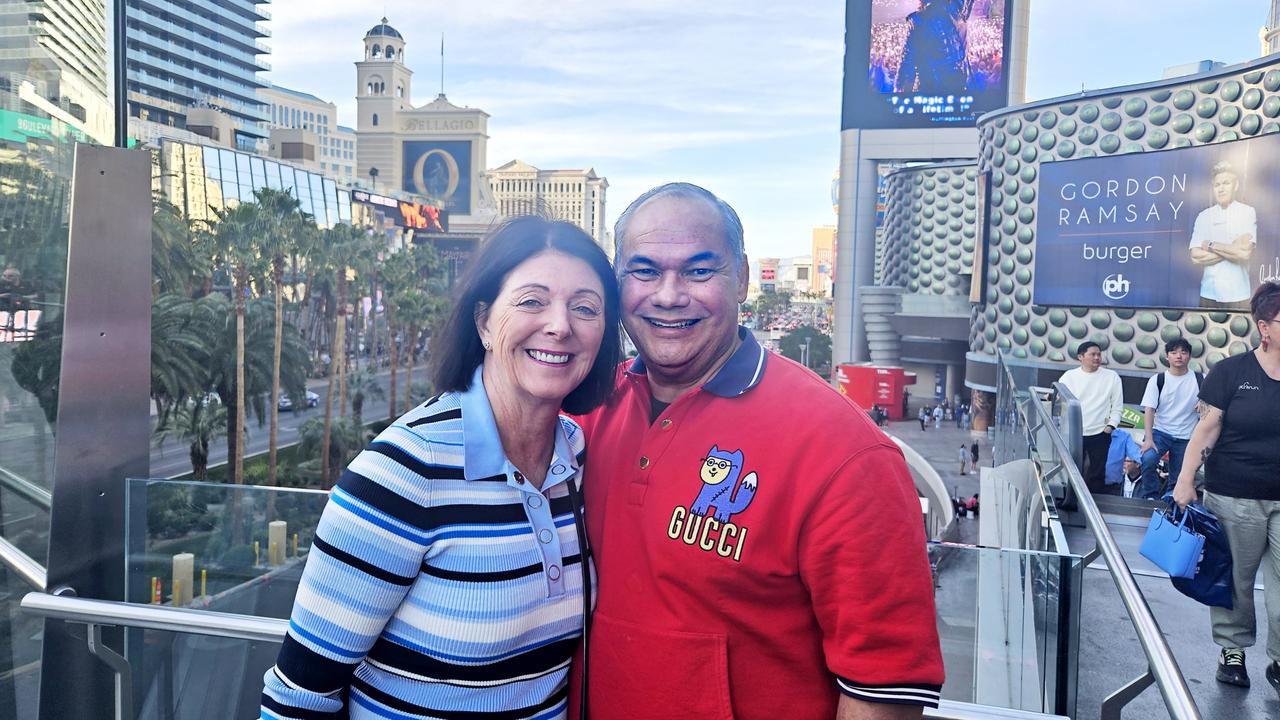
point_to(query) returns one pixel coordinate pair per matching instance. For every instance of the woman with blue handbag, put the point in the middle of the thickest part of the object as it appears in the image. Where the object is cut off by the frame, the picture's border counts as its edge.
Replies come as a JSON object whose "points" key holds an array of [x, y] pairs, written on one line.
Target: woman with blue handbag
{"points": [[1238, 441]]}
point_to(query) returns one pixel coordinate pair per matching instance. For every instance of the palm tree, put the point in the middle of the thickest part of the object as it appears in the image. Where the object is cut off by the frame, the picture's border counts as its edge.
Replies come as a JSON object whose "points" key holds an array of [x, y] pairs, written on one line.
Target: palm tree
{"points": [[239, 231], [198, 421], [335, 442], [259, 330], [180, 333], [364, 385], [416, 309], [344, 249], [397, 273], [179, 261], [285, 223]]}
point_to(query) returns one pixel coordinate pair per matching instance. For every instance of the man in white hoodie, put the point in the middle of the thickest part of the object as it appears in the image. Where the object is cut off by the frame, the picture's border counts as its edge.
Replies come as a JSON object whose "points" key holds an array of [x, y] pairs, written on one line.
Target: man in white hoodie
{"points": [[1101, 400]]}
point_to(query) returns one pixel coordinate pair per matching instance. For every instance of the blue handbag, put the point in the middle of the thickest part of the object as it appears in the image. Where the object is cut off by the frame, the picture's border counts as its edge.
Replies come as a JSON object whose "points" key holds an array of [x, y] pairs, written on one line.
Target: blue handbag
{"points": [[1213, 583], [1173, 545]]}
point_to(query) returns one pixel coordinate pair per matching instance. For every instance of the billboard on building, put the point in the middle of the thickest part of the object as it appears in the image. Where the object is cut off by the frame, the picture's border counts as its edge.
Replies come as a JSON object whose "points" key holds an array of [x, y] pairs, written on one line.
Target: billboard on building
{"points": [[439, 170], [924, 63], [769, 273], [1184, 228], [403, 213]]}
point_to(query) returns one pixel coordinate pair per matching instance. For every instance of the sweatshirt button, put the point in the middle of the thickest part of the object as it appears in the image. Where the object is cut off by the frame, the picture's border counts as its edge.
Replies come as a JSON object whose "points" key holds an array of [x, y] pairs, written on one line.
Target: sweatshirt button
{"points": [[519, 479], [644, 461], [665, 423]]}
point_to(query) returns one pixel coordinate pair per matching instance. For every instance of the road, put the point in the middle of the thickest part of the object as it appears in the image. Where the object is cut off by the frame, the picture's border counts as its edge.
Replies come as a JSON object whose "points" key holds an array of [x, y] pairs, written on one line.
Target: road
{"points": [[172, 459], [18, 453]]}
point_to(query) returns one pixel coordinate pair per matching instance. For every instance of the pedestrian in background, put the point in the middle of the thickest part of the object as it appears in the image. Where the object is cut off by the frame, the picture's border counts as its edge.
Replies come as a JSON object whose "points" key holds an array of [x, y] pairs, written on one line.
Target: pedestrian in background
{"points": [[964, 459], [1101, 400], [923, 417], [973, 452], [1170, 412]]}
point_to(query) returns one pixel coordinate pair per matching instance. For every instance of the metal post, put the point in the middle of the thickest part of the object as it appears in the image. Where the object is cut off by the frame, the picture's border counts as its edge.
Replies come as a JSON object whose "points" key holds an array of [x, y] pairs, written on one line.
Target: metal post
{"points": [[124, 682], [119, 55], [103, 410], [1116, 701]]}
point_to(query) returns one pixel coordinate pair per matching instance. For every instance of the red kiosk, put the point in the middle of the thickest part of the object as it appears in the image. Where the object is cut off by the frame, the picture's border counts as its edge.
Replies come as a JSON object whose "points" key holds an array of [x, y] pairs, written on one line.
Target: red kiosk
{"points": [[869, 385]]}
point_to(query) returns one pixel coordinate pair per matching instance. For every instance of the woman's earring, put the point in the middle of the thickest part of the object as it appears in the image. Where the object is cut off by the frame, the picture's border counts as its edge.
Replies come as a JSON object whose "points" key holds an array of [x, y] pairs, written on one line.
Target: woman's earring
{"points": [[489, 346]]}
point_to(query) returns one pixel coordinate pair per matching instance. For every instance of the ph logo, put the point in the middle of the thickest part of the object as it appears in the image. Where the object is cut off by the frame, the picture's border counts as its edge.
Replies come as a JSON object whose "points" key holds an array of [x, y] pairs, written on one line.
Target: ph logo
{"points": [[1115, 286]]}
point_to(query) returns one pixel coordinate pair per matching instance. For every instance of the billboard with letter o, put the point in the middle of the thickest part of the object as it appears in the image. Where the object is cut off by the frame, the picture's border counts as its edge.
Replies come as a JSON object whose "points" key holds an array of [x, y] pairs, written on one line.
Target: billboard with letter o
{"points": [[1188, 228], [439, 170]]}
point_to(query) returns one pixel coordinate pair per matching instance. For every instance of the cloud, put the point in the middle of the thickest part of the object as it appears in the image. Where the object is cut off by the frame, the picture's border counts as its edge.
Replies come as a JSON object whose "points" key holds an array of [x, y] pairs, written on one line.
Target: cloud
{"points": [[744, 97]]}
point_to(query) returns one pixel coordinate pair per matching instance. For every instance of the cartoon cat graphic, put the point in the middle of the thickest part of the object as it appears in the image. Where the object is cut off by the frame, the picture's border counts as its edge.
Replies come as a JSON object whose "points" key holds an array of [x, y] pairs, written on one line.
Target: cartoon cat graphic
{"points": [[720, 470]]}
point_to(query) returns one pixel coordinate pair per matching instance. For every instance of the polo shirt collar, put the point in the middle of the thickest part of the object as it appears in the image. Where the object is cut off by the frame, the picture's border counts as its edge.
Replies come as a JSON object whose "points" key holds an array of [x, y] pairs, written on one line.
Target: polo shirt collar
{"points": [[483, 456], [743, 371]]}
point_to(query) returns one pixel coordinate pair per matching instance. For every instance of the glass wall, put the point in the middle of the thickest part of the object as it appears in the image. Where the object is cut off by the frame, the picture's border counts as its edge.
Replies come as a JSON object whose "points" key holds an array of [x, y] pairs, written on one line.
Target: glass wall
{"points": [[198, 179], [37, 135]]}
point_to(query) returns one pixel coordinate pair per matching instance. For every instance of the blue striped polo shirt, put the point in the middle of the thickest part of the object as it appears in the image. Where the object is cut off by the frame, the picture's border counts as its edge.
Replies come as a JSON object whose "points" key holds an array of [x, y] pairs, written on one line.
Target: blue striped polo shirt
{"points": [[440, 583]]}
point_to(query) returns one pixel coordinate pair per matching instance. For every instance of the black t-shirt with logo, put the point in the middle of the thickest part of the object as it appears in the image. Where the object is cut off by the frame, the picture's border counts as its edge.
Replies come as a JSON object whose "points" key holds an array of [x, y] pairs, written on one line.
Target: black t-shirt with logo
{"points": [[1245, 462]]}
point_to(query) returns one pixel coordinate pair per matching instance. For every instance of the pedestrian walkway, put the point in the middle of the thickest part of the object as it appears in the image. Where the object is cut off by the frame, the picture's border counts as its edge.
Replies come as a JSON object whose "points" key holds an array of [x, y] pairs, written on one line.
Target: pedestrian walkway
{"points": [[941, 448], [1110, 654]]}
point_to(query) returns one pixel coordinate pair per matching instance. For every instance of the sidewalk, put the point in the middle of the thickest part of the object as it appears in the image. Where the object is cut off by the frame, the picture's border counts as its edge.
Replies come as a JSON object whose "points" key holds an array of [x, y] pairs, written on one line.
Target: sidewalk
{"points": [[941, 447]]}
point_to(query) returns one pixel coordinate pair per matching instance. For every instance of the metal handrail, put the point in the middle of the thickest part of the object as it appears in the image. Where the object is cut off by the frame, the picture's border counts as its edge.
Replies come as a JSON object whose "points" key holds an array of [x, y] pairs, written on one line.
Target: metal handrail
{"points": [[154, 617], [248, 627], [22, 565], [1162, 668], [952, 710], [34, 494]]}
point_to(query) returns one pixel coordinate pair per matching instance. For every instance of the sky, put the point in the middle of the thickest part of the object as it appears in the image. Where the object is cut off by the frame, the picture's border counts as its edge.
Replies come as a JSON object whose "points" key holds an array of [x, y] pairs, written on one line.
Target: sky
{"points": [[740, 96]]}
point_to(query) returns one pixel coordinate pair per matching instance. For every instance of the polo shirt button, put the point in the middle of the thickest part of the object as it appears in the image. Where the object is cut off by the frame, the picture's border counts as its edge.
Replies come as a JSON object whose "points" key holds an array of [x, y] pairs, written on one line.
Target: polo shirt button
{"points": [[535, 501], [666, 423], [644, 461], [557, 468], [544, 536], [553, 572], [519, 479]]}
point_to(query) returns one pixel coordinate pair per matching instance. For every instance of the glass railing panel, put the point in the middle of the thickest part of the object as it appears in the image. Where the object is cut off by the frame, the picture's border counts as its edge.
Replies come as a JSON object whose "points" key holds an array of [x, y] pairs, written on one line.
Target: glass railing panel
{"points": [[229, 548], [1012, 643], [35, 170], [195, 677]]}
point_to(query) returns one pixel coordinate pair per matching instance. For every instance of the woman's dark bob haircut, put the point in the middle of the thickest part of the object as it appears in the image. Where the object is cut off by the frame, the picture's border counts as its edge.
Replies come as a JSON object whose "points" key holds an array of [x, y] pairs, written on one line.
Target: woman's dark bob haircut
{"points": [[1265, 303], [456, 351]]}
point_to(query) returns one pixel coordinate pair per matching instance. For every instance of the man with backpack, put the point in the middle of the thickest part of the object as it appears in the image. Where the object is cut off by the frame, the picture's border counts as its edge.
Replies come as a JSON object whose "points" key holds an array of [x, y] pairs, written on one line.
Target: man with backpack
{"points": [[1169, 407]]}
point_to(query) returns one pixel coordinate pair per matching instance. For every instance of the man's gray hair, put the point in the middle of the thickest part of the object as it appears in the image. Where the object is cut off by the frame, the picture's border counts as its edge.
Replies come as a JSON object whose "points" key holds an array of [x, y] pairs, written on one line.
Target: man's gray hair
{"points": [[728, 218]]}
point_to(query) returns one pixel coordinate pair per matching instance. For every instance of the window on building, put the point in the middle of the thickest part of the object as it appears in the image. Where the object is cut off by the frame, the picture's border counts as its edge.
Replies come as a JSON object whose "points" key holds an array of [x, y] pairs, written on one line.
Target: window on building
{"points": [[377, 51], [375, 118]]}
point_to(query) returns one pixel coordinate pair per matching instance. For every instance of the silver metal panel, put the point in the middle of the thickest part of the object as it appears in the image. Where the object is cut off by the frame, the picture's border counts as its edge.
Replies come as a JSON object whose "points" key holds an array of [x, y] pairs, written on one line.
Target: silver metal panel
{"points": [[103, 423]]}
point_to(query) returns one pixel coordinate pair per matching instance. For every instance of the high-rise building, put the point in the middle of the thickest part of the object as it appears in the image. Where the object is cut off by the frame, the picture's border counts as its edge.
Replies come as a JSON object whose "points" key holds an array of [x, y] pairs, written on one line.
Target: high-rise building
{"points": [[433, 154], [824, 260], [293, 110], [201, 59], [1269, 35], [53, 63], [435, 151], [576, 196]]}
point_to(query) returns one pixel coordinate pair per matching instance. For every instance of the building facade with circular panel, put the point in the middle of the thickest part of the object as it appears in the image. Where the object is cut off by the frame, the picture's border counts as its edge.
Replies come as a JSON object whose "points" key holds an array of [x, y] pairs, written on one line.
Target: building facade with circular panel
{"points": [[1115, 218]]}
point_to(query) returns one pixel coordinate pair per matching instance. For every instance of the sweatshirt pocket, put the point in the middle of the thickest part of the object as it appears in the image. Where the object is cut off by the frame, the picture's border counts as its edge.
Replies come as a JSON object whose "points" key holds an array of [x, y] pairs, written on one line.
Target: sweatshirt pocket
{"points": [[641, 673]]}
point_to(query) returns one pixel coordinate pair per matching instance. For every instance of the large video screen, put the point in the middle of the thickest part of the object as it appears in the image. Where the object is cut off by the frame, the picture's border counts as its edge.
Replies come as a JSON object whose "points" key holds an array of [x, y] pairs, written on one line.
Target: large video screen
{"points": [[924, 63], [1189, 228], [439, 170]]}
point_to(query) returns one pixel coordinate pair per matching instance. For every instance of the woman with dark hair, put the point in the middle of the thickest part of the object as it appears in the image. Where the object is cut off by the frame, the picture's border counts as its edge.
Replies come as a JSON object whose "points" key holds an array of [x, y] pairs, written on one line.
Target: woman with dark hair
{"points": [[1238, 441], [446, 576]]}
